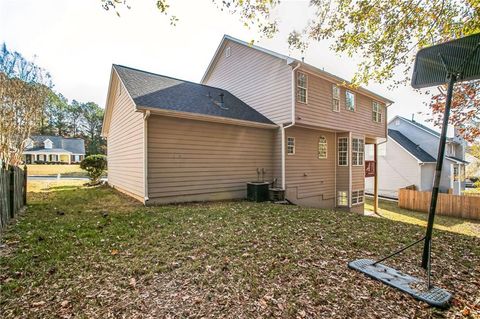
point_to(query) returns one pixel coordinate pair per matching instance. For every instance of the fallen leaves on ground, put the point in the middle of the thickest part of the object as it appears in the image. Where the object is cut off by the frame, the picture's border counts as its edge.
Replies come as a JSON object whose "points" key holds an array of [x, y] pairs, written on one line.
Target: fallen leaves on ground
{"points": [[216, 260]]}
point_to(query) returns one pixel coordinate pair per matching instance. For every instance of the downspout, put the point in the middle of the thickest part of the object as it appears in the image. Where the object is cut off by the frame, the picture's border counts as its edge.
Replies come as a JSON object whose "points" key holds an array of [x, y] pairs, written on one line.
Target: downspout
{"points": [[283, 127], [146, 115]]}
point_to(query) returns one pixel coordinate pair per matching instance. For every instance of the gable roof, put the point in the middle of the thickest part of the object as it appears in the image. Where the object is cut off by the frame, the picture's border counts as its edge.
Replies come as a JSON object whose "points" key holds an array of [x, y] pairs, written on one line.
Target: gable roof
{"points": [[288, 60], [414, 149], [59, 144], [421, 126], [155, 91]]}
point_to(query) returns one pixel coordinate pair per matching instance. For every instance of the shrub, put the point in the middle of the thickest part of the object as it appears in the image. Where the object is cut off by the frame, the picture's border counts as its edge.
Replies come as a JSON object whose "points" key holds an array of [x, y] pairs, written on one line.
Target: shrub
{"points": [[95, 165]]}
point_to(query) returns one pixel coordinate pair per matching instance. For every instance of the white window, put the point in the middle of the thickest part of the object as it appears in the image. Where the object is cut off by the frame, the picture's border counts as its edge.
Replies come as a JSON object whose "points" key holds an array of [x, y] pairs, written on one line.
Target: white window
{"points": [[290, 145], [342, 198], [357, 197], [455, 172], [397, 122], [322, 147], [343, 151], [335, 98], [47, 143], [350, 100], [377, 112], [450, 149], [302, 87], [228, 52], [358, 152]]}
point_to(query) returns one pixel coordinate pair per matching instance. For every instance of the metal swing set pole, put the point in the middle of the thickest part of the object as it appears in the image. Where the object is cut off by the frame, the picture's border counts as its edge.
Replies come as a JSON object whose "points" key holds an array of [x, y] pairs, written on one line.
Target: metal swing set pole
{"points": [[452, 77]]}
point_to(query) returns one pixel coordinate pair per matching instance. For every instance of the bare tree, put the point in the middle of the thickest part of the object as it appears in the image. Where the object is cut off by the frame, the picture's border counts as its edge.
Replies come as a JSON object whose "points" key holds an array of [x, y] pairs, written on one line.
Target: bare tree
{"points": [[24, 88]]}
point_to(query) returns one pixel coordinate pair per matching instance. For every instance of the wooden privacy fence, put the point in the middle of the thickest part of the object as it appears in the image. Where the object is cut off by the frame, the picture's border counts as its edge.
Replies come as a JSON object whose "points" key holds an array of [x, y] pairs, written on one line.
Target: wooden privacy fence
{"points": [[447, 204], [13, 193]]}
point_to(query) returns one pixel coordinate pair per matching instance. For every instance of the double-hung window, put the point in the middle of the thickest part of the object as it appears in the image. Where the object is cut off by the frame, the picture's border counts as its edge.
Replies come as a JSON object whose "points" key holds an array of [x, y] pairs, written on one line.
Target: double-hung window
{"points": [[343, 151], [335, 98], [302, 87], [377, 112], [358, 152], [290, 145], [322, 147], [350, 100], [357, 197]]}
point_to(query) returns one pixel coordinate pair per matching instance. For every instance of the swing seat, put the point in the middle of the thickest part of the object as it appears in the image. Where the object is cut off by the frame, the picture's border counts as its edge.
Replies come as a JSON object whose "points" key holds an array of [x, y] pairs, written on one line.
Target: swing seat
{"points": [[434, 296]]}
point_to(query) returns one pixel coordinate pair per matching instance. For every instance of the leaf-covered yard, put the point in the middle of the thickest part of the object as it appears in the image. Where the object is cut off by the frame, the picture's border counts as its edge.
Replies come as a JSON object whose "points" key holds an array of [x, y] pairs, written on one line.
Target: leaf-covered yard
{"points": [[93, 253]]}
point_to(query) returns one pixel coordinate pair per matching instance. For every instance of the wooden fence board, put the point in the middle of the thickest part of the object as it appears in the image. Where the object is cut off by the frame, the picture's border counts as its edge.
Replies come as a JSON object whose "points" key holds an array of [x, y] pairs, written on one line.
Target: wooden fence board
{"points": [[447, 204], [12, 193]]}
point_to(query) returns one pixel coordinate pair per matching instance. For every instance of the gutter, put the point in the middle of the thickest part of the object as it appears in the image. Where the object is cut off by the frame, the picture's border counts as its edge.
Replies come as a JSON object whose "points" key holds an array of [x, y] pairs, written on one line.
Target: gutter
{"points": [[283, 127], [146, 115]]}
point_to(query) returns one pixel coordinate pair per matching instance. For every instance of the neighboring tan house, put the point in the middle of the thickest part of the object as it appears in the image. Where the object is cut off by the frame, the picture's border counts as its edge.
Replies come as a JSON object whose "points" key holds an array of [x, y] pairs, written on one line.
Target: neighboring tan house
{"points": [[53, 149], [409, 158], [473, 168], [174, 141]]}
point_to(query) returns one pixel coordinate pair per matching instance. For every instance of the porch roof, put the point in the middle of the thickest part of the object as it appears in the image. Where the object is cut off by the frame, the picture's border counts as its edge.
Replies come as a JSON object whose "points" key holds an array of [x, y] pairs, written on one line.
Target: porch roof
{"points": [[47, 151]]}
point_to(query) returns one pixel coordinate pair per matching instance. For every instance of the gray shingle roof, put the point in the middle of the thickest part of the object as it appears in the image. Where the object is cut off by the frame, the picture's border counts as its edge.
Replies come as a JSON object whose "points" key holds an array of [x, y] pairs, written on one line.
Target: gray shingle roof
{"points": [[411, 147], [163, 92], [426, 128], [72, 145]]}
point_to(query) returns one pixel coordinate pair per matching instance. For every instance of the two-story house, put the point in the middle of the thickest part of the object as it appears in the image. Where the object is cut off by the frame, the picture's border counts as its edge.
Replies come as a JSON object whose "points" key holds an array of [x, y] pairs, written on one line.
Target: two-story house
{"points": [[323, 124], [409, 158], [255, 110]]}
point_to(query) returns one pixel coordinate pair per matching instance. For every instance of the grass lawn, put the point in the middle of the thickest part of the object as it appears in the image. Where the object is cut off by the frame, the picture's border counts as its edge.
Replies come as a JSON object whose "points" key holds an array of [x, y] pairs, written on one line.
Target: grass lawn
{"points": [[94, 253], [391, 211], [72, 170]]}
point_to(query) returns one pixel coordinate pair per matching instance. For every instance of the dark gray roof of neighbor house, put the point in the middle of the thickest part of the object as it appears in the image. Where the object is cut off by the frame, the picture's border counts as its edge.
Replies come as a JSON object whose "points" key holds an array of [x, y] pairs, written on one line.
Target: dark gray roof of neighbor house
{"points": [[163, 92], [59, 144], [411, 147]]}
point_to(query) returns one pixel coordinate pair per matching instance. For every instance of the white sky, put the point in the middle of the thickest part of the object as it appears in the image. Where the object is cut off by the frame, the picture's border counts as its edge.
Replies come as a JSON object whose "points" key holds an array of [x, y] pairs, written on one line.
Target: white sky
{"points": [[77, 42]]}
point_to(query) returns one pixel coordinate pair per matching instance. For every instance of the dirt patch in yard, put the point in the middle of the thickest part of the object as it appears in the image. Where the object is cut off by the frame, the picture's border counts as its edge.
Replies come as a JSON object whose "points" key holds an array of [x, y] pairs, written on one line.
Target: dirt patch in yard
{"points": [[107, 256]]}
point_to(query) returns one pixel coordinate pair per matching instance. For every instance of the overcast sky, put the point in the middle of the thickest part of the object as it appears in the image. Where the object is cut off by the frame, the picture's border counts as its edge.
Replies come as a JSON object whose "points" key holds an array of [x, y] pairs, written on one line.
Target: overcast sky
{"points": [[77, 42]]}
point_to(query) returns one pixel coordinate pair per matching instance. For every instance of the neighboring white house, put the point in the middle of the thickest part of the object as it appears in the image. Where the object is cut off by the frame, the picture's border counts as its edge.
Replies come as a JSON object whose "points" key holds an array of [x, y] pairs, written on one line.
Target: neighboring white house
{"points": [[473, 168], [53, 149], [409, 158]]}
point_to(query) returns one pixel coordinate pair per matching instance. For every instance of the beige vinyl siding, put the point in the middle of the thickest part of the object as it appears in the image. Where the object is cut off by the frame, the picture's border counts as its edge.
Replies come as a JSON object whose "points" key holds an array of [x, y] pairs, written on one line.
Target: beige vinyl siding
{"points": [[192, 160], [125, 144], [318, 110], [257, 78], [310, 181]]}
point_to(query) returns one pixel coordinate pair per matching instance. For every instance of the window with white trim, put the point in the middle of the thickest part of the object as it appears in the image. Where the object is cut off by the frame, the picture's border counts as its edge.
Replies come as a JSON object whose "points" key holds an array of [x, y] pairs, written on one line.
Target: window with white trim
{"points": [[302, 87], [357, 197], [350, 100], [335, 98], [290, 145], [455, 172], [377, 112], [343, 151], [47, 144], [358, 152], [342, 198], [228, 52], [322, 147]]}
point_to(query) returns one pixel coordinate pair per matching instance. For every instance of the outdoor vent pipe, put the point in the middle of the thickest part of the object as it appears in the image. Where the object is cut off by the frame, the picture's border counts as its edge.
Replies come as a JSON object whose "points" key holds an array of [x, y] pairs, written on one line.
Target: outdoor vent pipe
{"points": [[222, 103]]}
